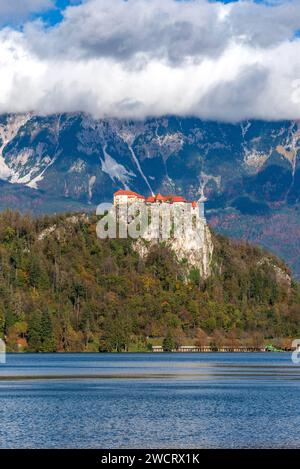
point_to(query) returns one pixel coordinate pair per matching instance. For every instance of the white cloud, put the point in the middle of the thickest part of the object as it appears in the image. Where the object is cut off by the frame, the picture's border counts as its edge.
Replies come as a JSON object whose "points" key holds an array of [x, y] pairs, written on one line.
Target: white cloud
{"points": [[154, 57], [14, 11]]}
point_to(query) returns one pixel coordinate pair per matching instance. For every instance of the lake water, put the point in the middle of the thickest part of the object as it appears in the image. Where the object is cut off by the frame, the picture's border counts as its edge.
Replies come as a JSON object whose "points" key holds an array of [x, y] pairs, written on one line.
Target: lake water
{"points": [[225, 400]]}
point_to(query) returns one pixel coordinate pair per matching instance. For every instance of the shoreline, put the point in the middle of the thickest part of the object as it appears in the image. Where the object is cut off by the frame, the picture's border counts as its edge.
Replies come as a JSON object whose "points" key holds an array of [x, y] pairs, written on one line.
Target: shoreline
{"points": [[150, 352]]}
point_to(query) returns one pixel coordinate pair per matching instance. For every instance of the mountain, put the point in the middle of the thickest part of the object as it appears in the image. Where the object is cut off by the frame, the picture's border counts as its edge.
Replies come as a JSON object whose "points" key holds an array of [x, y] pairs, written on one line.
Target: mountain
{"points": [[250, 171], [63, 289], [25, 199]]}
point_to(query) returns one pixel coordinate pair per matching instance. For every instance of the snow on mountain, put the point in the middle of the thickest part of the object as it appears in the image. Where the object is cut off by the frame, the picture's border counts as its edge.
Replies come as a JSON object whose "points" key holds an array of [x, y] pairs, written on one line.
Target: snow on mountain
{"points": [[9, 128], [77, 156], [116, 171], [251, 168]]}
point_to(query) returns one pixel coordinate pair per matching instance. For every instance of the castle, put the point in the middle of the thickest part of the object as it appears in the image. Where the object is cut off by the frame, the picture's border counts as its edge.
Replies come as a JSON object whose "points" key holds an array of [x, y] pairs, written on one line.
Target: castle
{"points": [[193, 245], [130, 197]]}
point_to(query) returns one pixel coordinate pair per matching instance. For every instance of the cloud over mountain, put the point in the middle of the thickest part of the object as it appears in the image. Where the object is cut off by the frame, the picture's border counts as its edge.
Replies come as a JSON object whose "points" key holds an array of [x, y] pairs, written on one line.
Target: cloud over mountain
{"points": [[150, 57], [14, 11]]}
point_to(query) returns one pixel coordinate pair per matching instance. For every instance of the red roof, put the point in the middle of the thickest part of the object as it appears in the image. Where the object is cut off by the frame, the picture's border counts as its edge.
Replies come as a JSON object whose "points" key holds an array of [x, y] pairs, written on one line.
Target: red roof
{"points": [[177, 198], [194, 203], [124, 192], [151, 199], [167, 198]]}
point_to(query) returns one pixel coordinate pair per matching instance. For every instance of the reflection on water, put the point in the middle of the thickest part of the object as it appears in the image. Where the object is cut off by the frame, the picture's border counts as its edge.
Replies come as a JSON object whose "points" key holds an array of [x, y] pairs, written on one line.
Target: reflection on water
{"points": [[149, 400]]}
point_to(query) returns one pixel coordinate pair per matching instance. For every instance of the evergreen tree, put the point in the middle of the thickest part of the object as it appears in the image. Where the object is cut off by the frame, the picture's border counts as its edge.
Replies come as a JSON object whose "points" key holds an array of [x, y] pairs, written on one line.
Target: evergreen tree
{"points": [[35, 332], [168, 343], [38, 277], [47, 338]]}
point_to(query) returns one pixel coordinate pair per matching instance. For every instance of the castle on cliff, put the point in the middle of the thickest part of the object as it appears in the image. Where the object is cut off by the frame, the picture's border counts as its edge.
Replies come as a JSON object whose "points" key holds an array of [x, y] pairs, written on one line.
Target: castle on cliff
{"points": [[129, 197], [192, 244]]}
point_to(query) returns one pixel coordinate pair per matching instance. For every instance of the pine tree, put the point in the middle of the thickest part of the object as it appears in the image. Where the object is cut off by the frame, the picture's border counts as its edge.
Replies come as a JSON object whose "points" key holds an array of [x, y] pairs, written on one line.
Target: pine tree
{"points": [[47, 337], [168, 343], [35, 332]]}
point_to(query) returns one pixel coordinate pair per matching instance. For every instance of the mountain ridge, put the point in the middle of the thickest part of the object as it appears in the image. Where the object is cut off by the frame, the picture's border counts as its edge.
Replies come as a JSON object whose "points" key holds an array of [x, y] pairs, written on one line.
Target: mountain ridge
{"points": [[249, 170]]}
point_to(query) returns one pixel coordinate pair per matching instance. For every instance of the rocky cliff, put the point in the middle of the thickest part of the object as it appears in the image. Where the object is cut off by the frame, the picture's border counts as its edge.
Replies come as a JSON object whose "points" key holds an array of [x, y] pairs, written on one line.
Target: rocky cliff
{"points": [[249, 171], [192, 243]]}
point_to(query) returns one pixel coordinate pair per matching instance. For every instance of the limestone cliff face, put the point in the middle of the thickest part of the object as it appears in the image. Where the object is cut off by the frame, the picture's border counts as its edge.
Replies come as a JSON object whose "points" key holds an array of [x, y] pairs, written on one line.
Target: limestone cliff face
{"points": [[194, 246], [198, 254], [282, 275]]}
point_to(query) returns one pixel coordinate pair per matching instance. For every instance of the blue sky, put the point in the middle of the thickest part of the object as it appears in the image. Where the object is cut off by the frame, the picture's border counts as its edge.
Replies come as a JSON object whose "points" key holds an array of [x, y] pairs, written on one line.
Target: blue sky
{"points": [[54, 16]]}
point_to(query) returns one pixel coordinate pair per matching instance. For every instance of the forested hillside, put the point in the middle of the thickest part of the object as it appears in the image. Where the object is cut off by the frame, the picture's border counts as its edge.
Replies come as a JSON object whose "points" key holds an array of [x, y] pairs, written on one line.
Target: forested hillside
{"points": [[62, 289]]}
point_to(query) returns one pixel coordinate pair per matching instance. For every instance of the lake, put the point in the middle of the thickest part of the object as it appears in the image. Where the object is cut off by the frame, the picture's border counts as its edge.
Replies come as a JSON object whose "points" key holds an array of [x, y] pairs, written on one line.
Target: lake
{"points": [[213, 400]]}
